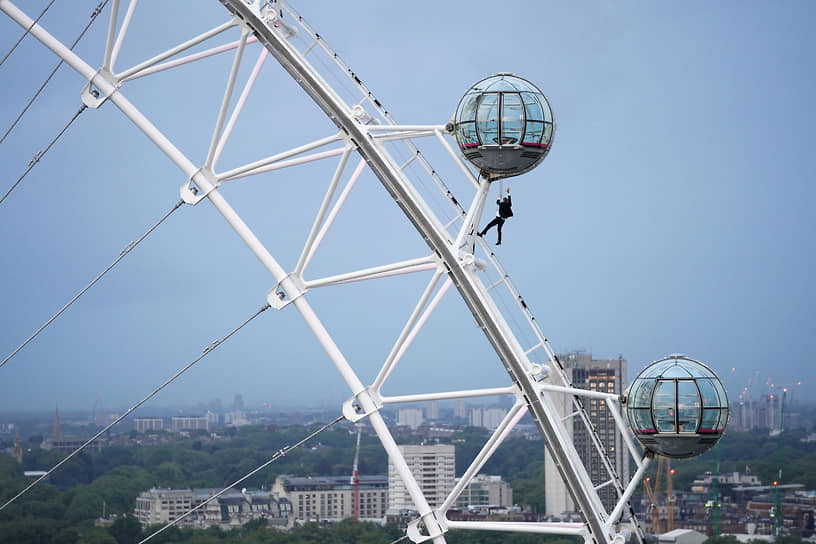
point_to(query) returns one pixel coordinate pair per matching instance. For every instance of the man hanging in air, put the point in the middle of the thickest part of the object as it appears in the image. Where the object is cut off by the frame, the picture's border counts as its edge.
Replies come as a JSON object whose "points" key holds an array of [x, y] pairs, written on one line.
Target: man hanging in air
{"points": [[504, 212]]}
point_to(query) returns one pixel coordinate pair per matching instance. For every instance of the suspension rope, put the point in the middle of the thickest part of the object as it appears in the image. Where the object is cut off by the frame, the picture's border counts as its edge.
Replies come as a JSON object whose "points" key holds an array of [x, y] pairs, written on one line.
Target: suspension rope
{"points": [[94, 14], [280, 453], [27, 30], [121, 256], [207, 350], [39, 154]]}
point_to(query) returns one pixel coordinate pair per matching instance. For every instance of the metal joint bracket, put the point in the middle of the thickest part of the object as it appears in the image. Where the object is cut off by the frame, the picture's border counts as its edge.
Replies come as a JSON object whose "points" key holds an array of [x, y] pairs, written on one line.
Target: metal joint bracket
{"points": [[413, 529], [91, 94], [274, 20], [539, 372], [276, 297], [192, 193], [469, 261], [353, 409], [362, 116]]}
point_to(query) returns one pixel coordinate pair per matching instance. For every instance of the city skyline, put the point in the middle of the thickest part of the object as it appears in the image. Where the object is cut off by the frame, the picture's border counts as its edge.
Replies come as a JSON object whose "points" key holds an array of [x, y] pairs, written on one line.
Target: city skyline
{"points": [[662, 221]]}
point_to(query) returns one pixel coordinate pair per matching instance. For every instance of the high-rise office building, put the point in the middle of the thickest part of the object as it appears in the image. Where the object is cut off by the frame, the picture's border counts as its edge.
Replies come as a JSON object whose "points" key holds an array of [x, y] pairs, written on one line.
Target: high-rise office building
{"points": [[433, 467], [606, 376]]}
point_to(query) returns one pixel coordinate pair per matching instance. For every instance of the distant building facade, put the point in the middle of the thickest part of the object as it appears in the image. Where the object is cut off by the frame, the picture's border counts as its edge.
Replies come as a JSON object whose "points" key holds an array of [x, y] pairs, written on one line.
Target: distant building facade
{"points": [[146, 424], [433, 466], [485, 490], [460, 409], [432, 410], [230, 509], [409, 417], [606, 376], [489, 418], [331, 498], [190, 423], [65, 442]]}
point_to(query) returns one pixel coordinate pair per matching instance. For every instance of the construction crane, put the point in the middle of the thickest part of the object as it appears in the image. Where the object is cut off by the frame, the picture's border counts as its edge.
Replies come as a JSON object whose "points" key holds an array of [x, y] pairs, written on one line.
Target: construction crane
{"points": [[653, 493], [652, 508], [355, 480], [669, 496]]}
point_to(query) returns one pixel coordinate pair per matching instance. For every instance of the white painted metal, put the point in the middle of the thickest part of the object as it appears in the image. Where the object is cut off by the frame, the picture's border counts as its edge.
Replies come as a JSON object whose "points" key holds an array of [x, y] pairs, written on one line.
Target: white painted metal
{"points": [[239, 105], [392, 358], [458, 159], [473, 216], [324, 227], [291, 162], [404, 128], [120, 38], [321, 213], [106, 64], [502, 431], [403, 267], [623, 501], [187, 60], [449, 395], [175, 50], [255, 245], [222, 113], [452, 255], [480, 304], [412, 333], [568, 529], [634, 451], [256, 165]]}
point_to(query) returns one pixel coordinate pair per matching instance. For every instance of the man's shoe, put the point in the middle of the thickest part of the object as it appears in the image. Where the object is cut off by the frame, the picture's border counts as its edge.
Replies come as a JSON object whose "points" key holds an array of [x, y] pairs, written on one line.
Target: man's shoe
{"points": [[498, 243]]}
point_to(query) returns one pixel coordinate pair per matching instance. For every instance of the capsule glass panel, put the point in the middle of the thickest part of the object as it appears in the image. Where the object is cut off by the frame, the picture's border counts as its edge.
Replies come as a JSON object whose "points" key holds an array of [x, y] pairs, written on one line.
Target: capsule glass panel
{"points": [[487, 119], [677, 407], [688, 407], [504, 126], [664, 407], [512, 119]]}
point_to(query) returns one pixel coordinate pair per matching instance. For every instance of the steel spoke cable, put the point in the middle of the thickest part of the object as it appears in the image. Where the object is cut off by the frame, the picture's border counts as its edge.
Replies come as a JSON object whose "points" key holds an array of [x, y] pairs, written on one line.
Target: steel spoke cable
{"points": [[122, 255], [27, 30], [94, 14], [280, 453], [207, 350], [39, 155]]}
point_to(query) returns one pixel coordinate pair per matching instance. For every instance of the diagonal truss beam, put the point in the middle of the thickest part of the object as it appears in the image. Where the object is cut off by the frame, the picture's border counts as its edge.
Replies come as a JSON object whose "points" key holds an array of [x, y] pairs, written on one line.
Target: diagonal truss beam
{"points": [[497, 331]]}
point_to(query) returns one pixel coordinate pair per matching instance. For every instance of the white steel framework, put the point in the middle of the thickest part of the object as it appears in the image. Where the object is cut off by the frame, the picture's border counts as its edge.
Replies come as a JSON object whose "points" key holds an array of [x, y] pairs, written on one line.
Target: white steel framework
{"points": [[456, 258]]}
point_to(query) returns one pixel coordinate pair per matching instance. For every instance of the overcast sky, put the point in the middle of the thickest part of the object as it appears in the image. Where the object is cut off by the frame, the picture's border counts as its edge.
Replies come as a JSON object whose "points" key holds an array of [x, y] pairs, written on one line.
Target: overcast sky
{"points": [[673, 214]]}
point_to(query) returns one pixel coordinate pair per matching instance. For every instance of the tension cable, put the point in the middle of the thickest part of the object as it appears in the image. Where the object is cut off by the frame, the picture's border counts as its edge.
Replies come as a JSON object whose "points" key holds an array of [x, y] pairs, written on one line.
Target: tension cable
{"points": [[121, 256], [94, 14], [280, 453], [27, 30], [39, 154], [209, 349]]}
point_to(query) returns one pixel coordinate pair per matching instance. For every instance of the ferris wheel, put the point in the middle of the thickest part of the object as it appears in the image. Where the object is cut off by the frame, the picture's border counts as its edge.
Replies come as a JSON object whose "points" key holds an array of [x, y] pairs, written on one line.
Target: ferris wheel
{"points": [[503, 127]]}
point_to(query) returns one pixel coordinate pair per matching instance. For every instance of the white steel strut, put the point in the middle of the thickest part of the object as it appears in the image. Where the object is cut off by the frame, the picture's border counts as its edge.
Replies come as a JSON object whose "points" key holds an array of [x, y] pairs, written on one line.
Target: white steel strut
{"points": [[366, 128]]}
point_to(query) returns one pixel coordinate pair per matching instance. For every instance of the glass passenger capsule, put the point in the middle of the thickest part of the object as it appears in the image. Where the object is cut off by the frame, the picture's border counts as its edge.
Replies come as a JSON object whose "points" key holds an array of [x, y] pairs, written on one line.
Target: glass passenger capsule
{"points": [[504, 126], [677, 407]]}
